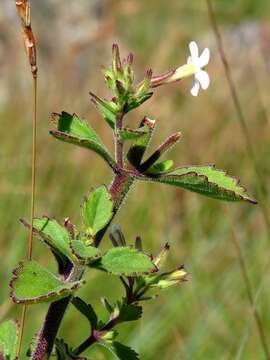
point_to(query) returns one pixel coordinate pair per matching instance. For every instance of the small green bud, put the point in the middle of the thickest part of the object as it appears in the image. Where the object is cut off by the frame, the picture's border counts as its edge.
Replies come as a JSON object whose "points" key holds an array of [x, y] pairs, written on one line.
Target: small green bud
{"points": [[116, 61], [159, 260], [166, 280], [109, 336]]}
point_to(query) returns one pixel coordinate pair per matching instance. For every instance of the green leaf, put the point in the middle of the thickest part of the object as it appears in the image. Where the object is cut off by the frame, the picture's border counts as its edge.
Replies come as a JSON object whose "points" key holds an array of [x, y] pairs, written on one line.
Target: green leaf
{"points": [[71, 129], [138, 148], [125, 261], [137, 101], [133, 134], [167, 144], [63, 352], [129, 313], [54, 235], [31, 283], [8, 339], [124, 352], [206, 180], [106, 109], [107, 305], [97, 210], [87, 310], [160, 167], [85, 253]]}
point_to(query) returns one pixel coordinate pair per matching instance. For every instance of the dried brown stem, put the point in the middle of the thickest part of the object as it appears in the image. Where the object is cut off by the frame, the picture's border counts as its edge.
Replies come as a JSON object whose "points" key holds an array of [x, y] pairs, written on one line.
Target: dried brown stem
{"points": [[23, 8]]}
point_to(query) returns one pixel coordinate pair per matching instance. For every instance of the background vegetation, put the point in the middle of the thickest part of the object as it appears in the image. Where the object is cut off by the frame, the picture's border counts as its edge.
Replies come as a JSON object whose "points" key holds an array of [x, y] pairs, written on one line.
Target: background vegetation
{"points": [[208, 317]]}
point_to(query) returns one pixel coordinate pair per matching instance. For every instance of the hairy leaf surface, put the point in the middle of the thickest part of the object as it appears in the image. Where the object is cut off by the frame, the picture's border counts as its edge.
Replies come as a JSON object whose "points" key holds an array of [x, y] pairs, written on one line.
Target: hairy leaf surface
{"points": [[125, 260], [72, 129], [54, 235], [8, 339], [97, 210], [83, 252], [31, 283]]}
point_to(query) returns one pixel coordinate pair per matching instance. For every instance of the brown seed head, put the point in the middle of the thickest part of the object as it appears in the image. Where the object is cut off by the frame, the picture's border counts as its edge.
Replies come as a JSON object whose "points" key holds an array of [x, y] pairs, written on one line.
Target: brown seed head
{"points": [[30, 47]]}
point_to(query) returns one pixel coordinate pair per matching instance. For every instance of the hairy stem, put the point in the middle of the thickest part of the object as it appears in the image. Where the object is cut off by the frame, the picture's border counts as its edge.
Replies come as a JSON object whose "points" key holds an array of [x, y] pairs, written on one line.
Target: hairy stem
{"points": [[119, 188], [47, 335]]}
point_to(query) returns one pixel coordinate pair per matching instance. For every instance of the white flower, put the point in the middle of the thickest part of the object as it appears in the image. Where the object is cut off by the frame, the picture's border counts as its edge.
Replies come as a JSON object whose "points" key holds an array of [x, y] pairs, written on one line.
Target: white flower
{"points": [[201, 77], [193, 67]]}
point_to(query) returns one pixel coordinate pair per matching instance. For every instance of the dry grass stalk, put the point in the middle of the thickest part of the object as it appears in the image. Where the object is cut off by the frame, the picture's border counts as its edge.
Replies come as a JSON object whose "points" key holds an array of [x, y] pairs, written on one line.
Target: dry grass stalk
{"points": [[247, 282], [24, 11], [241, 118], [251, 153]]}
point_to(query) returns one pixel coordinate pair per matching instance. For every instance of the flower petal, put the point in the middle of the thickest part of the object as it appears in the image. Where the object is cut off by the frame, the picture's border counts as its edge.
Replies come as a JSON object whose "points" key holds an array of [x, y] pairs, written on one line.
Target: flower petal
{"points": [[204, 58], [203, 78], [189, 60], [195, 88], [194, 51]]}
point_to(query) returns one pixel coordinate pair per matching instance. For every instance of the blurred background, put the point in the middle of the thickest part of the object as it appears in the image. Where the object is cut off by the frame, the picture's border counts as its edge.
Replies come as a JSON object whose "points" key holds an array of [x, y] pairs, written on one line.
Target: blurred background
{"points": [[208, 317]]}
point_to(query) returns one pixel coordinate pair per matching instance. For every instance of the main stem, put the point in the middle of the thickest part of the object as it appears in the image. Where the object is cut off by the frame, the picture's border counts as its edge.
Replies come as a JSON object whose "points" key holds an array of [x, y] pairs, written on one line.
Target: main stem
{"points": [[119, 143], [118, 189]]}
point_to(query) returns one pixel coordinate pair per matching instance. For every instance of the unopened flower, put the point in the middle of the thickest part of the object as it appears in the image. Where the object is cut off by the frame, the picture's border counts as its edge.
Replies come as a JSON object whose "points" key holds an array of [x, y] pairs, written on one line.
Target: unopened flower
{"points": [[165, 280]]}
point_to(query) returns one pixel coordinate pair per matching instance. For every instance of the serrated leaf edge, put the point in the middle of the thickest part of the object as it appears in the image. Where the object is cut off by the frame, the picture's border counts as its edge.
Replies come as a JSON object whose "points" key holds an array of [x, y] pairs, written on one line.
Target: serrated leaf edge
{"points": [[236, 180]]}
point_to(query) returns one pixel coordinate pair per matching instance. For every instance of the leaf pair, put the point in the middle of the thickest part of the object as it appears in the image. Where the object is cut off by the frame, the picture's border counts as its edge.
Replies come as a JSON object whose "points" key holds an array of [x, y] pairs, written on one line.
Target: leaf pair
{"points": [[31, 283], [96, 214], [206, 180]]}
